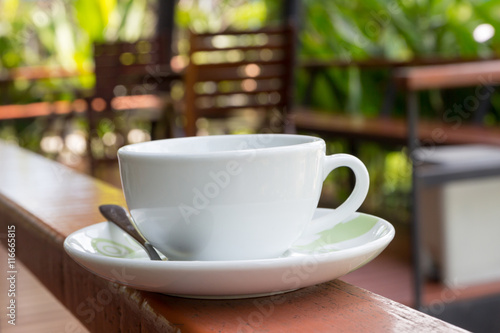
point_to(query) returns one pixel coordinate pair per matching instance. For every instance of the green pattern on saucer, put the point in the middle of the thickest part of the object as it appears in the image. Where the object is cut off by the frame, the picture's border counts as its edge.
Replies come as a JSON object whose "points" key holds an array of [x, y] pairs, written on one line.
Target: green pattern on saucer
{"points": [[343, 232], [111, 248]]}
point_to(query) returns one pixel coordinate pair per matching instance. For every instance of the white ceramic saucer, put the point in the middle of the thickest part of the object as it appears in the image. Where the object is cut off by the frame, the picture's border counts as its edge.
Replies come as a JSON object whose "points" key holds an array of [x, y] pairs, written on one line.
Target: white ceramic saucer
{"points": [[325, 252]]}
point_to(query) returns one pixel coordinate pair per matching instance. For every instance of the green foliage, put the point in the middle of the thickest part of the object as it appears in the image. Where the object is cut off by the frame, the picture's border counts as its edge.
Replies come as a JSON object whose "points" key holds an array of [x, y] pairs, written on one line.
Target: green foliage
{"points": [[396, 29], [205, 16], [353, 30], [61, 32], [12, 34]]}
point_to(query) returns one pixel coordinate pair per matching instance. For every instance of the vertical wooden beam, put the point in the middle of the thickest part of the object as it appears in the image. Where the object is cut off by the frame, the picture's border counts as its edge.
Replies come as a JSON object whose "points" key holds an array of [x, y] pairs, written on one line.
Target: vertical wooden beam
{"points": [[165, 28], [291, 21], [189, 93]]}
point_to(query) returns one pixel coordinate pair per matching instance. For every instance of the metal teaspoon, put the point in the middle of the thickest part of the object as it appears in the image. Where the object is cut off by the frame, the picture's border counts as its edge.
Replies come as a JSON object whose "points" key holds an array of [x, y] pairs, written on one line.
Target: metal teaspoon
{"points": [[119, 216]]}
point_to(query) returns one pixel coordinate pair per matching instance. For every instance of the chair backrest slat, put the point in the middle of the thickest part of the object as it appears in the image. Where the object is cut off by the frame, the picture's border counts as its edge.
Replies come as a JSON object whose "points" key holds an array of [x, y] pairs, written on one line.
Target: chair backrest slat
{"points": [[238, 69]]}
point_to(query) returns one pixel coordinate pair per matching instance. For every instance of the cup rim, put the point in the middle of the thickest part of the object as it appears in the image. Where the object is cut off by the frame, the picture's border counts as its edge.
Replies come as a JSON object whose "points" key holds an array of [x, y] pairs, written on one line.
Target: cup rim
{"points": [[130, 150]]}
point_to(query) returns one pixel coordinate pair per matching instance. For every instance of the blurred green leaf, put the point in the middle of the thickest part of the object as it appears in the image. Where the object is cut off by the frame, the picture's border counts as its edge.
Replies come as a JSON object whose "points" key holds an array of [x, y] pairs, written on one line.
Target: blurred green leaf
{"points": [[91, 18], [134, 19]]}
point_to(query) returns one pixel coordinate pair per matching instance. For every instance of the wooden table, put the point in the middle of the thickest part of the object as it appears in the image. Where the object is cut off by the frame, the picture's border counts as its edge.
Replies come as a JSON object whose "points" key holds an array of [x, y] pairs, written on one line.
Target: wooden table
{"points": [[45, 202]]}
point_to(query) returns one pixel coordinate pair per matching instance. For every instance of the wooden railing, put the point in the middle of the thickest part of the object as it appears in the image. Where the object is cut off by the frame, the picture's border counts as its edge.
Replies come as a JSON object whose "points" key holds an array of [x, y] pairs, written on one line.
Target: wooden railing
{"points": [[410, 76], [45, 202]]}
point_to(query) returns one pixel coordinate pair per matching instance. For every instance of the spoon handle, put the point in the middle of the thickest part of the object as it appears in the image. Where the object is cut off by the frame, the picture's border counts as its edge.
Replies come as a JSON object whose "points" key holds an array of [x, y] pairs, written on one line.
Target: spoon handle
{"points": [[119, 216]]}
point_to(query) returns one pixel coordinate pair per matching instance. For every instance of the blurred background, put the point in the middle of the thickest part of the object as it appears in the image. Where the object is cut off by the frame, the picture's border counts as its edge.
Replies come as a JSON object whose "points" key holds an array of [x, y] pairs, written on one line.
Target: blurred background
{"points": [[81, 78]]}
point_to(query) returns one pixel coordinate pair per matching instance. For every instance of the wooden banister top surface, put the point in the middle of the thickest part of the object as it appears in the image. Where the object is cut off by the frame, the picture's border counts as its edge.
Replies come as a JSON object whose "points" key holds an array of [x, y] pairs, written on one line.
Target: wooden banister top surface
{"points": [[41, 109], [392, 130], [46, 202], [377, 63], [32, 73], [479, 73]]}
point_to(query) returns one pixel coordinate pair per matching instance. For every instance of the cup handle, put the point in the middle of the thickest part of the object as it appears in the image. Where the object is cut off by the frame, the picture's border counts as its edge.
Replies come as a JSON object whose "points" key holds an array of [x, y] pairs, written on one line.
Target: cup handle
{"points": [[354, 200]]}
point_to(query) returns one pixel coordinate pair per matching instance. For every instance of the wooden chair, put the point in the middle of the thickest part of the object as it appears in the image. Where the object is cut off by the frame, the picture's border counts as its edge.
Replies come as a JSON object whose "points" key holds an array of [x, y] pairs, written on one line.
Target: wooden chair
{"points": [[240, 70], [129, 77]]}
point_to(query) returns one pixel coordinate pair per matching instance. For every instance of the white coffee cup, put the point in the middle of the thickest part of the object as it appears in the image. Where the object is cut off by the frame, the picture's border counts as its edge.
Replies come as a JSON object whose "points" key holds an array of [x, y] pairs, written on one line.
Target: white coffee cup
{"points": [[230, 197]]}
